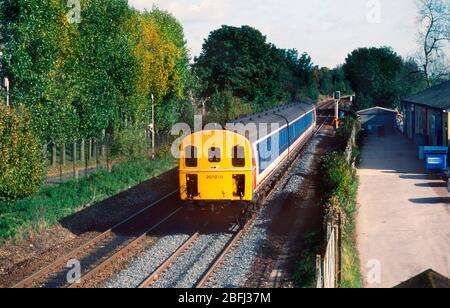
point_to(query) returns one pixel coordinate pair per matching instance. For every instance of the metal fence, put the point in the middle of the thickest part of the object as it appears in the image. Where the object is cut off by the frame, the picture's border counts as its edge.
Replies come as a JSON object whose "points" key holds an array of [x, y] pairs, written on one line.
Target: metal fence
{"points": [[351, 143], [65, 162], [328, 265]]}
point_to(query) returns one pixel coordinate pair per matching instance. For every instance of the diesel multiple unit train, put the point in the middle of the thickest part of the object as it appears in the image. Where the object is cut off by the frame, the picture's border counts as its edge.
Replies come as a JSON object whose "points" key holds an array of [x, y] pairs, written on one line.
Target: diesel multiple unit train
{"points": [[234, 164]]}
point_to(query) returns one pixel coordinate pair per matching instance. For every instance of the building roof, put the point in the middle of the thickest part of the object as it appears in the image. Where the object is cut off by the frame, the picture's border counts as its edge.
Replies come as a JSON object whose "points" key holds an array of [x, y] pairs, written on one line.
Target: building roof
{"points": [[427, 280], [436, 97], [376, 110]]}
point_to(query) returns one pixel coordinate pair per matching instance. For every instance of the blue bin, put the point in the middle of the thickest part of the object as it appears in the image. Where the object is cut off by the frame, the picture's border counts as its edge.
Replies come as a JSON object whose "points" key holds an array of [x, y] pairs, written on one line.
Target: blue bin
{"points": [[436, 161], [436, 158]]}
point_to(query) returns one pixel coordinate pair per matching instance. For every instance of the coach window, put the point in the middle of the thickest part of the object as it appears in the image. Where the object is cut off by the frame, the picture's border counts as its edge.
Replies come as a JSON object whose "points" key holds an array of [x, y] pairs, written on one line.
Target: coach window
{"points": [[190, 154], [238, 156], [214, 155]]}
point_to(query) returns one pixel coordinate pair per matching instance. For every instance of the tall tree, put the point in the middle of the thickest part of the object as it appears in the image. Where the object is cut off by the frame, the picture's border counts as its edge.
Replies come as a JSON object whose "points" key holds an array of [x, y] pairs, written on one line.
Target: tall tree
{"points": [[37, 50], [170, 106], [242, 61], [435, 31], [105, 65], [375, 73], [305, 75]]}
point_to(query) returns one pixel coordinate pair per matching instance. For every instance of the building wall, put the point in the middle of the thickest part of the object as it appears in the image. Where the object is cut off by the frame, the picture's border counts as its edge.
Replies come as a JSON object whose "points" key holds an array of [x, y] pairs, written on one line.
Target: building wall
{"points": [[371, 123], [446, 128], [427, 126]]}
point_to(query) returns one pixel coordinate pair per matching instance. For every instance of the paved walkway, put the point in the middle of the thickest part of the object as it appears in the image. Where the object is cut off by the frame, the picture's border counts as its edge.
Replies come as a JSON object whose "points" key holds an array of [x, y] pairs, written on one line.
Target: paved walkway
{"points": [[403, 224]]}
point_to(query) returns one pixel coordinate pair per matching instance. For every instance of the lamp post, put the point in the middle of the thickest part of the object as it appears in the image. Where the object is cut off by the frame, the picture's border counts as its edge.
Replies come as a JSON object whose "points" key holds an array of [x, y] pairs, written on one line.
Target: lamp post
{"points": [[152, 126], [6, 84]]}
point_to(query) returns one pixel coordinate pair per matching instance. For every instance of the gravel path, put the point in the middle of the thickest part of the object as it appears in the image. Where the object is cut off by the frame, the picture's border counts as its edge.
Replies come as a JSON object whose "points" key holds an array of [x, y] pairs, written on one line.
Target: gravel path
{"points": [[237, 265]]}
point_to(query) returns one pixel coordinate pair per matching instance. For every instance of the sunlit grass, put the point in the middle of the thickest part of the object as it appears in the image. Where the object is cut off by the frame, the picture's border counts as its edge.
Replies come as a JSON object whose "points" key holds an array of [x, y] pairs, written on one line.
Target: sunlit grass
{"points": [[18, 219]]}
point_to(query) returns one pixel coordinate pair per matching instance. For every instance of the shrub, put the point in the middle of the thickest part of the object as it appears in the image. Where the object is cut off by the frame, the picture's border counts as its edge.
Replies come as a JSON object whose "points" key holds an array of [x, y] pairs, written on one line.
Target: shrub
{"points": [[339, 190], [337, 175], [227, 107], [21, 157], [129, 143], [344, 131]]}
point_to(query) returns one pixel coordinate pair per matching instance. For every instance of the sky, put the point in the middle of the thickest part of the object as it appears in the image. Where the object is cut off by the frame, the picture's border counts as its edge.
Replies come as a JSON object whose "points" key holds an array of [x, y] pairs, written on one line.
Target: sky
{"points": [[328, 30]]}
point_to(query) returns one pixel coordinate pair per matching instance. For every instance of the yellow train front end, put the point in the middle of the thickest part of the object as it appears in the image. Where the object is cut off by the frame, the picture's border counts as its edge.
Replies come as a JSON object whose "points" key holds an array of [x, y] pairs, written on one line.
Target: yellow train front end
{"points": [[216, 166]]}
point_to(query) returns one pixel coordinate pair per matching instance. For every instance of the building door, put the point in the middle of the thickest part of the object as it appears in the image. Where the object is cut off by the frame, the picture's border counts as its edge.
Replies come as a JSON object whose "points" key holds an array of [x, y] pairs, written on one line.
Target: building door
{"points": [[436, 129], [439, 133], [410, 123]]}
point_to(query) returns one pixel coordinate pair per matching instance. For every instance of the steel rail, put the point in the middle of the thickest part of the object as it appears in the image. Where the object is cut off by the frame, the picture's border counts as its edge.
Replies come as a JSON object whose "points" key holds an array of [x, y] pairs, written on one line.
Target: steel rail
{"points": [[223, 254], [237, 237], [31, 280], [150, 280], [130, 247]]}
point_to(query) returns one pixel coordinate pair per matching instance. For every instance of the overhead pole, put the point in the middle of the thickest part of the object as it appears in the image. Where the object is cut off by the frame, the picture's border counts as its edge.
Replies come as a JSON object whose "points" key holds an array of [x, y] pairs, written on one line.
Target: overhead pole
{"points": [[152, 127]]}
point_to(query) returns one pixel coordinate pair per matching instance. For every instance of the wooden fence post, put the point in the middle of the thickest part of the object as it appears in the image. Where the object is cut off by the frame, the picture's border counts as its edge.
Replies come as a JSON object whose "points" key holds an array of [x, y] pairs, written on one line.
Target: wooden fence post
{"points": [[319, 272], [53, 155], [82, 156], [60, 165], [96, 153], [74, 160], [90, 150], [336, 256], [339, 245], [63, 154], [86, 162]]}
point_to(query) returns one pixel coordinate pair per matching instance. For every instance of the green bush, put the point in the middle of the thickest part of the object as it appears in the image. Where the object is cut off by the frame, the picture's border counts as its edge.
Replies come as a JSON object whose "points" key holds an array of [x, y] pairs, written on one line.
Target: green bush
{"points": [[337, 176], [339, 190], [226, 107], [344, 131], [21, 157], [129, 143]]}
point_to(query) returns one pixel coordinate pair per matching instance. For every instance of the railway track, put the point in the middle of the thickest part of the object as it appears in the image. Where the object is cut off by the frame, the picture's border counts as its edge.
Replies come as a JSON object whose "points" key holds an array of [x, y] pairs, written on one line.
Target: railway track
{"points": [[122, 252], [203, 282], [128, 225], [235, 239], [137, 238], [150, 280]]}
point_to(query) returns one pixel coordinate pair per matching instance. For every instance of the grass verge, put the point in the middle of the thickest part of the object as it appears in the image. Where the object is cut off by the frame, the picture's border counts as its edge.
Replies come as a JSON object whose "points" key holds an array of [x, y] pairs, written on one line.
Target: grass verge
{"points": [[305, 270], [350, 271], [18, 219], [339, 189]]}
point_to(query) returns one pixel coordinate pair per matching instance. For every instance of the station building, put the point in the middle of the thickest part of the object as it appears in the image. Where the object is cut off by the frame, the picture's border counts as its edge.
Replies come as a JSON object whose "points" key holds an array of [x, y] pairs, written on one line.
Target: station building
{"points": [[427, 116], [376, 119]]}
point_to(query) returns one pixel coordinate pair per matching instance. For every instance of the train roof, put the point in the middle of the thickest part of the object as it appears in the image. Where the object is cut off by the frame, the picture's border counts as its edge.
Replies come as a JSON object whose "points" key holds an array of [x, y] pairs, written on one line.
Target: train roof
{"points": [[279, 115]]}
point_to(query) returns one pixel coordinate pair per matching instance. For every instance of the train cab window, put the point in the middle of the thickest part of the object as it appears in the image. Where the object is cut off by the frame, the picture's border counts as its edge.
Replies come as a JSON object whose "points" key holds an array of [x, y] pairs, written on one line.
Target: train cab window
{"points": [[214, 155], [191, 158], [238, 156]]}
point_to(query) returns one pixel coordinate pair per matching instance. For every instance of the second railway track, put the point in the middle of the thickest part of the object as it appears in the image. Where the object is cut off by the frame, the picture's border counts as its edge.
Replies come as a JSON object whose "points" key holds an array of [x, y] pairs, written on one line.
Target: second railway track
{"points": [[131, 231]]}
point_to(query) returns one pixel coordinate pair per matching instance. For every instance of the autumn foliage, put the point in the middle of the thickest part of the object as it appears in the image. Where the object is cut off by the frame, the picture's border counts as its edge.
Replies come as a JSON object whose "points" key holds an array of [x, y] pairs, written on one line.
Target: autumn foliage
{"points": [[21, 167]]}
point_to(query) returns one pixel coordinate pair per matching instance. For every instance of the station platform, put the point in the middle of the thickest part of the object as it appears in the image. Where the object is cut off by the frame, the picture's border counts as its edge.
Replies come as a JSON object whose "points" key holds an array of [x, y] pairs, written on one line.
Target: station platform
{"points": [[403, 221]]}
